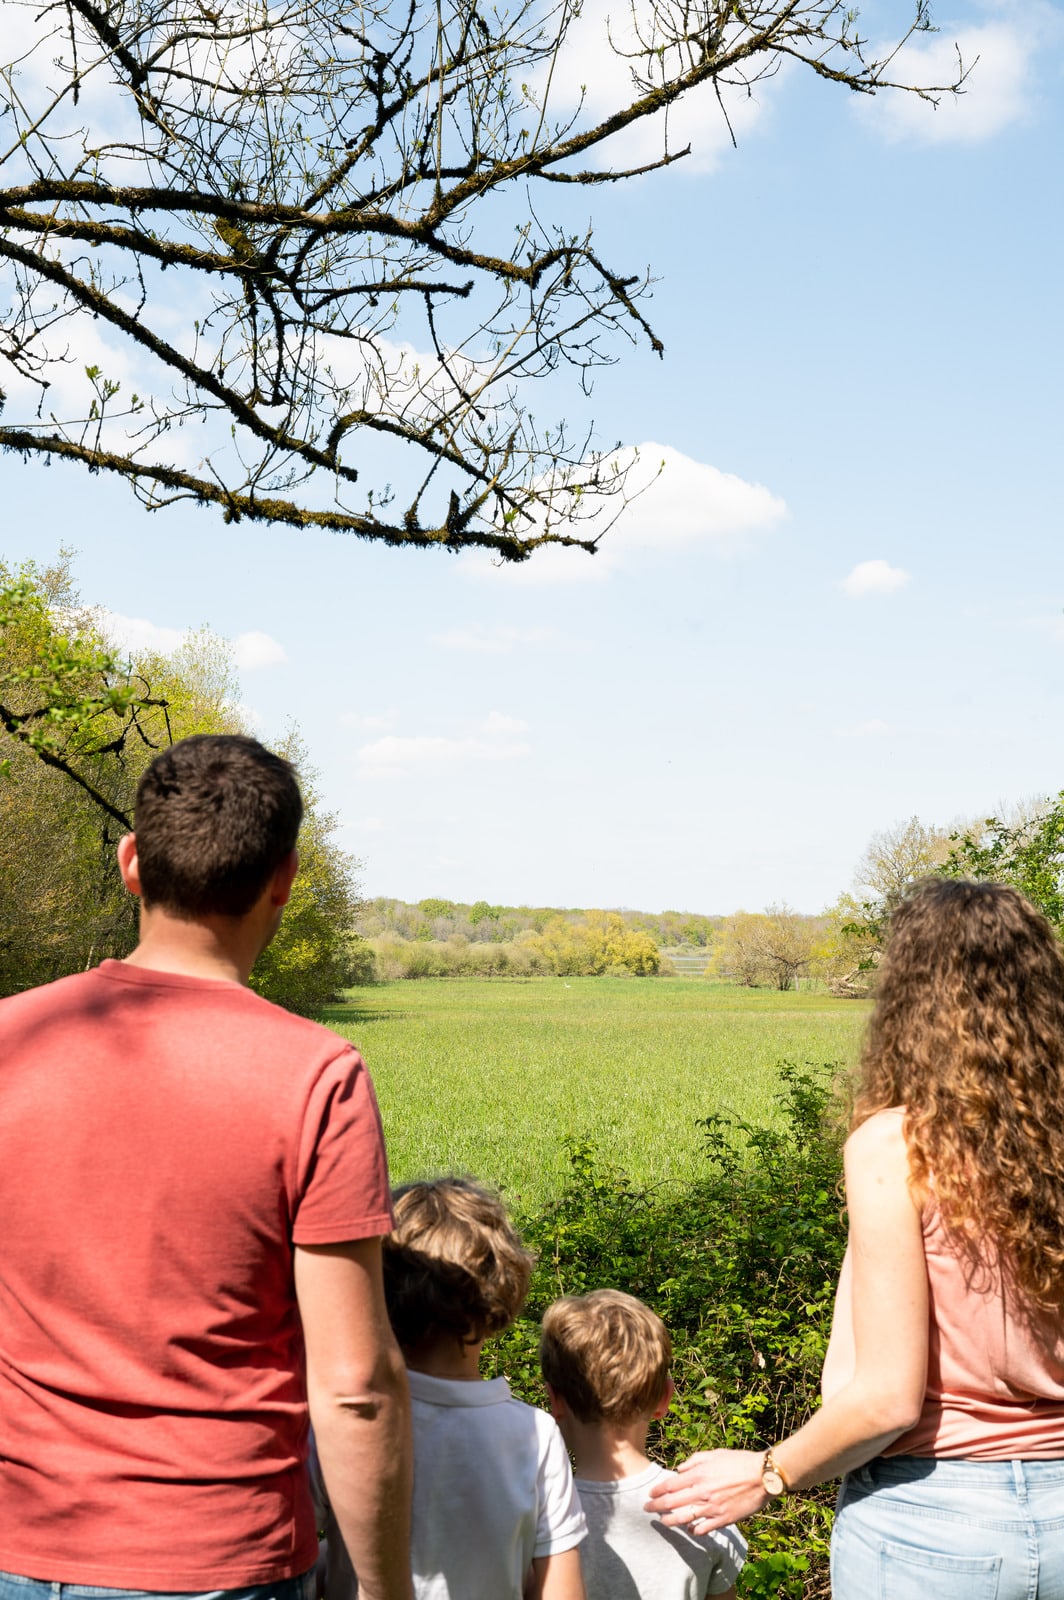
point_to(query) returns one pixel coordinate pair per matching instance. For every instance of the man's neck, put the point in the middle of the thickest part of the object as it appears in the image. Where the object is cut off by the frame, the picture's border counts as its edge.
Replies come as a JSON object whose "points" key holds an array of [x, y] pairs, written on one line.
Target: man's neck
{"points": [[217, 947], [604, 1452]]}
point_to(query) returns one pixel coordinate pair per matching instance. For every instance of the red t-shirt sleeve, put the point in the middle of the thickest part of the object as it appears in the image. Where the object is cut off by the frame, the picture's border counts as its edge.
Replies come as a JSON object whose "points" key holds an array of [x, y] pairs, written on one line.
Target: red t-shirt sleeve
{"points": [[341, 1189]]}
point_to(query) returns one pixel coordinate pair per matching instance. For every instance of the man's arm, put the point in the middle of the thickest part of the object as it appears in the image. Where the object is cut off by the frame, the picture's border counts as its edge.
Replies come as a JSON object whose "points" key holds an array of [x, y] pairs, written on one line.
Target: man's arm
{"points": [[359, 1408], [557, 1577]]}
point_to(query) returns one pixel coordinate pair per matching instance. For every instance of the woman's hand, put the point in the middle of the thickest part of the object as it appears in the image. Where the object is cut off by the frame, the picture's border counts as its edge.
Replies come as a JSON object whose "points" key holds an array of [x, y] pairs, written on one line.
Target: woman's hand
{"points": [[709, 1490]]}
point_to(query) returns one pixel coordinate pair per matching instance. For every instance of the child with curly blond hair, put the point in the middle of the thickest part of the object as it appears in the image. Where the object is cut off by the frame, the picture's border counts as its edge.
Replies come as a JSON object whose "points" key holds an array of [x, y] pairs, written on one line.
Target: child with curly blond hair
{"points": [[495, 1513]]}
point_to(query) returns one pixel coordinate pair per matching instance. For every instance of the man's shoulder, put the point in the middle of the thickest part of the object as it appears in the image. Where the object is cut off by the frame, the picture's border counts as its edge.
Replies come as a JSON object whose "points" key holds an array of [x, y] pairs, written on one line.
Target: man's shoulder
{"points": [[199, 1003], [46, 996]]}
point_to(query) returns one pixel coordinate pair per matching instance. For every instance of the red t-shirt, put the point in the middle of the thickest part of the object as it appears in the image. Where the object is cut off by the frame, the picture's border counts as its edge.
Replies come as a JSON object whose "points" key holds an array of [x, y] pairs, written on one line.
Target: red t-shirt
{"points": [[164, 1141]]}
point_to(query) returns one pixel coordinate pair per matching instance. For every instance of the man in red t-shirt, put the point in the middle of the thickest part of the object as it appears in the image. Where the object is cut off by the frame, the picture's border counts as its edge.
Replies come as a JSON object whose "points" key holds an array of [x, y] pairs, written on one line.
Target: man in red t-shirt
{"points": [[193, 1189]]}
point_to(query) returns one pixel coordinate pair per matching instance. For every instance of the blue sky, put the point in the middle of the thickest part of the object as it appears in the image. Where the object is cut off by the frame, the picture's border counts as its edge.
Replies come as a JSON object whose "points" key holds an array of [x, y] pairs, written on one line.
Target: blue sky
{"points": [[840, 605]]}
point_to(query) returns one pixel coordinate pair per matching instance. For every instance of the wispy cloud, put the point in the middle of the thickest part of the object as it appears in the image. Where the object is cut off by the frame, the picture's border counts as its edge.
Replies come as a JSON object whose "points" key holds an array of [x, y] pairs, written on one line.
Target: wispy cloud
{"points": [[499, 722], [254, 650], [1050, 623], [497, 640], [675, 503], [373, 723], [497, 738], [131, 634], [998, 91], [874, 577], [594, 72]]}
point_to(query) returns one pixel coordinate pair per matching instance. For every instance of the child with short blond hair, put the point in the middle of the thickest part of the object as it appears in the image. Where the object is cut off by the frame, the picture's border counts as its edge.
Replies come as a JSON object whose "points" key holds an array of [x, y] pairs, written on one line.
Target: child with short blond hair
{"points": [[605, 1358], [495, 1512]]}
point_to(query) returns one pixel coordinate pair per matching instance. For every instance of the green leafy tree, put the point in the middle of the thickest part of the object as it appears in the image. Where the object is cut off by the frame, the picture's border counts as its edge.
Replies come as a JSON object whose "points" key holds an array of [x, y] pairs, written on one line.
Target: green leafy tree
{"points": [[314, 954], [856, 924], [599, 942], [1028, 853], [75, 728], [78, 727]]}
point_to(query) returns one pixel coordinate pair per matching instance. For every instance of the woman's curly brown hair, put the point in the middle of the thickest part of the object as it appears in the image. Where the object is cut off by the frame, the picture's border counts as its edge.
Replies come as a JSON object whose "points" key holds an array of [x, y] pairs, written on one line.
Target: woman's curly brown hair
{"points": [[454, 1266], [968, 1035]]}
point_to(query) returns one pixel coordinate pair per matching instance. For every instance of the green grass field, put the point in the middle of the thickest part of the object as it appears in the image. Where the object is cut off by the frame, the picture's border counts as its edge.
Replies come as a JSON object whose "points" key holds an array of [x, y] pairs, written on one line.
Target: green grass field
{"points": [[491, 1077]]}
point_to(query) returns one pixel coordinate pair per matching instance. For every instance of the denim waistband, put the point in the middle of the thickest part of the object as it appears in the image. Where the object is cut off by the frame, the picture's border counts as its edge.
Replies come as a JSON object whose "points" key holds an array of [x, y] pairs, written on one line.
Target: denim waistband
{"points": [[944, 1470]]}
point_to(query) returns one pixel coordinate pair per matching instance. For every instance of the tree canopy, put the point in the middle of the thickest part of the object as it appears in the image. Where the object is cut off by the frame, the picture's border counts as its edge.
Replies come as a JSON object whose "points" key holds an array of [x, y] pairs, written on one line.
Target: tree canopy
{"points": [[277, 258], [77, 727], [1026, 850]]}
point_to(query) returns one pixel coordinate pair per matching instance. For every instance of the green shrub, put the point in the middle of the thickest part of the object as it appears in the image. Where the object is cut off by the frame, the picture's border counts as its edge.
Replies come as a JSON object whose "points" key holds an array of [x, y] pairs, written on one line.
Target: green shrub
{"points": [[742, 1266]]}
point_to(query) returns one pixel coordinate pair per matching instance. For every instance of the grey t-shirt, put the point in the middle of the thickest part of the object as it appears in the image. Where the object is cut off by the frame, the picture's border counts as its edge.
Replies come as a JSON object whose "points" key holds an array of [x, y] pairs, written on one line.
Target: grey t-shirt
{"points": [[629, 1555]]}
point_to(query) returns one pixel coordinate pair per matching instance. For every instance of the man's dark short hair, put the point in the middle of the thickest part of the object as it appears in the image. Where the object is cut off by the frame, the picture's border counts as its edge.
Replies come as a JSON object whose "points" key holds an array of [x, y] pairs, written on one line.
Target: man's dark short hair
{"points": [[215, 817]]}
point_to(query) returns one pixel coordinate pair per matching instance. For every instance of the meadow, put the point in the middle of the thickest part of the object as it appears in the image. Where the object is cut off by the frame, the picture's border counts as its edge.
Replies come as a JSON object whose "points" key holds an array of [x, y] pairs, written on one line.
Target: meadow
{"points": [[496, 1077]]}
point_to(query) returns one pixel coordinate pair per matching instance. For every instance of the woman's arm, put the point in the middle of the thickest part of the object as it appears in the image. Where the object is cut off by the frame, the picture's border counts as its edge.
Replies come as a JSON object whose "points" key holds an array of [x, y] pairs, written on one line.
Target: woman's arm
{"points": [[881, 1396], [840, 1358]]}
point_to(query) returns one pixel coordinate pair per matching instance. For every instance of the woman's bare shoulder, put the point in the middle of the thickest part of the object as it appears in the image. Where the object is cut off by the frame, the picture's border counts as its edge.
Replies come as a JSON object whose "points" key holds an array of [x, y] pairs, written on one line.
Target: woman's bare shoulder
{"points": [[880, 1140]]}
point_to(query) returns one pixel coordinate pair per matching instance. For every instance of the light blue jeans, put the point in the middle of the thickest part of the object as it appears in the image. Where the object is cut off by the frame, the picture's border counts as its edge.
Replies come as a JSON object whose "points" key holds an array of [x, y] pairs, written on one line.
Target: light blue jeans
{"points": [[912, 1528], [13, 1587]]}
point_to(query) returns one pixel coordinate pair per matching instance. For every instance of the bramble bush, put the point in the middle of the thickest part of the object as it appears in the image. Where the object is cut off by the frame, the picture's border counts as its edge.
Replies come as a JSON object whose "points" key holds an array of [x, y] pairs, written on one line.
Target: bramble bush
{"points": [[741, 1265]]}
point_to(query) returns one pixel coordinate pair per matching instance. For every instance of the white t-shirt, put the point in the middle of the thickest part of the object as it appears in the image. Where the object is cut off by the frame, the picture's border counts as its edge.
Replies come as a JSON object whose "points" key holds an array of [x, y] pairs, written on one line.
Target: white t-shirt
{"points": [[630, 1555], [492, 1488]]}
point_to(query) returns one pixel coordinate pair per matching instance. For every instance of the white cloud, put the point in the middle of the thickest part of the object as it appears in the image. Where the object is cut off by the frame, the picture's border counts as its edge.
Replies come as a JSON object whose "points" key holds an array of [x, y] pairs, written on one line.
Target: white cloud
{"points": [[874, 577], [254, 650], [590, 69], [675, 503], [686, 502], [250, 716], [497, 739], [368, 724], [498, 722], [997, 92], [1054, 626], [865, 730], [131, 634], [502, 640]]}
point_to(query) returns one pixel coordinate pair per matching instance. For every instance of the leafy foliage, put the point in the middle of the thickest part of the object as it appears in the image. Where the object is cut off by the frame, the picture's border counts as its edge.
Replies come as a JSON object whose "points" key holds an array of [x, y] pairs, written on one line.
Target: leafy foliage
{"points": [[443, 920], [66, 697], [741, 1265], [1028, 853], [600, 942], [313, 955], [778, 947], [77, 727], [445, 939]]}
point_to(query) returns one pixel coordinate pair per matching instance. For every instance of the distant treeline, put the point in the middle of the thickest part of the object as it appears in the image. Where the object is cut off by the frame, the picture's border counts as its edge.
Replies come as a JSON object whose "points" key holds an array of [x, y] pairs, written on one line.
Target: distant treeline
{"points": [[448, 939], [482, 923]]}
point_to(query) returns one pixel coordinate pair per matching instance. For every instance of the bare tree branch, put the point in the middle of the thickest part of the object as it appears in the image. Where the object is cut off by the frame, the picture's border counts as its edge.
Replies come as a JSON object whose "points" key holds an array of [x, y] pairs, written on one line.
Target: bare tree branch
{"points": [[282, 218]]}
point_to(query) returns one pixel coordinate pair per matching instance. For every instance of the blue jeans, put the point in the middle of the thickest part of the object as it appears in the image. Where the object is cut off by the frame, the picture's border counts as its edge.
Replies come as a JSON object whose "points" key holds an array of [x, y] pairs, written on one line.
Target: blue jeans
{"points": [[913, 1528], [13, 1587]]}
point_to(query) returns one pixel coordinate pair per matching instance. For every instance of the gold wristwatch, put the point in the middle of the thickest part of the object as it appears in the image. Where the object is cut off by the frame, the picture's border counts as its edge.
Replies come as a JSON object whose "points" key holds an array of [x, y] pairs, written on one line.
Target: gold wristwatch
{"points": [[772, 1480]]}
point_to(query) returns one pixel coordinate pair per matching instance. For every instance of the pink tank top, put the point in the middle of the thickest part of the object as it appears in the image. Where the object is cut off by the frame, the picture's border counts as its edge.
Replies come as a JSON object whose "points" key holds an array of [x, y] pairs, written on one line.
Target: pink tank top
{"points": [[995, 1386]]}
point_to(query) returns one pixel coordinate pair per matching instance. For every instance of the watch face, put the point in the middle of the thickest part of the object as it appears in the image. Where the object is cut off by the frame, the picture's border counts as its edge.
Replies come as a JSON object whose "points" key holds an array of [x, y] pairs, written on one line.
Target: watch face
{"points": [[772, 1481]]}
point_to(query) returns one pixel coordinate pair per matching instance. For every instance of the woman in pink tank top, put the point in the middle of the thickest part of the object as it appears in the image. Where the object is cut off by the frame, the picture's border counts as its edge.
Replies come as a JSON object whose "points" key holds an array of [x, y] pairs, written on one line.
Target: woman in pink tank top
{"points": [[944, 1379]]}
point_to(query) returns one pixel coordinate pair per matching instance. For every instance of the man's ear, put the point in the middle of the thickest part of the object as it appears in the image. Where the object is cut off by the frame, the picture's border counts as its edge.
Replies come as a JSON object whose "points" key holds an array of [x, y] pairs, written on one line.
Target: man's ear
{"points": [[283, 879], [558, 1408], [128, 865], [666, 1398]]}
